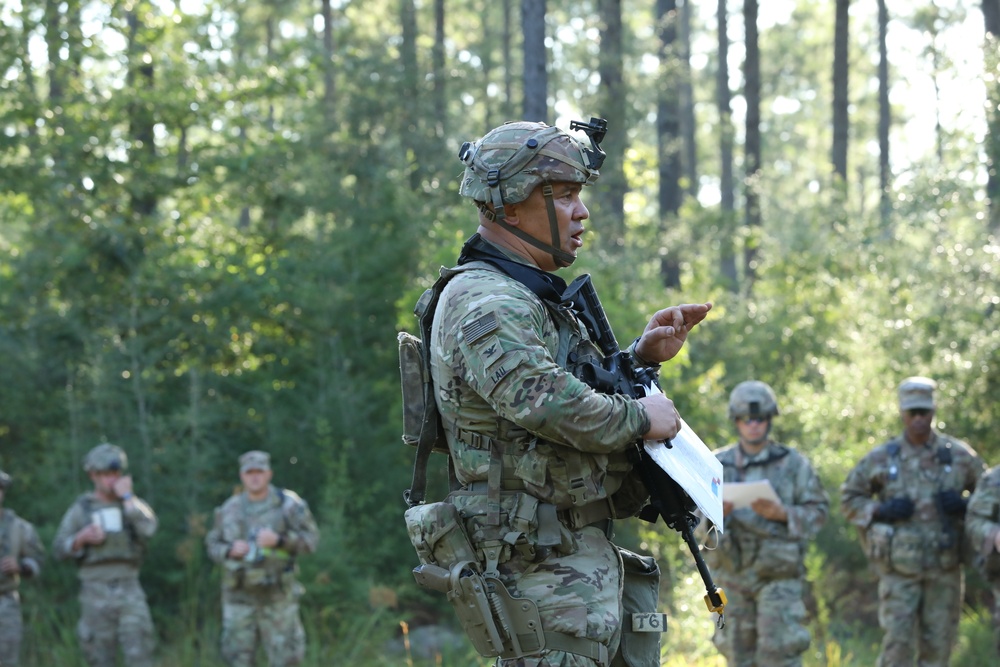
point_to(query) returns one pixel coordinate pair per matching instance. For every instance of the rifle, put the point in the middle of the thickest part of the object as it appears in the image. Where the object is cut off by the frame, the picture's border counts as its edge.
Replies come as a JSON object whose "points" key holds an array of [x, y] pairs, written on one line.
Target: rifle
{"points": [[617, 374]]}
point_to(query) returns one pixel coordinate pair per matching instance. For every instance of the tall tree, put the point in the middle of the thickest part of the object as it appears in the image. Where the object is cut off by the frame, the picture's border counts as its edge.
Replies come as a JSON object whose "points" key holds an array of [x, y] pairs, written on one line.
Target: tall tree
{"points": [[841, 70], [612, 106], [329, 67], [752, 147], [689, 126], [668, 134], [723, 101], [440, 103], [536, 78], [884, 119], [991, 18]]}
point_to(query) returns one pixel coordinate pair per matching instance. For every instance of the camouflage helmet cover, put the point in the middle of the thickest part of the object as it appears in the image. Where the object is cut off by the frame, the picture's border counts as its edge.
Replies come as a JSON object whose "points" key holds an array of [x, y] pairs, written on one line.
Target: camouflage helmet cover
{"points": [[752, 398], [105, 457], [517, 157]]}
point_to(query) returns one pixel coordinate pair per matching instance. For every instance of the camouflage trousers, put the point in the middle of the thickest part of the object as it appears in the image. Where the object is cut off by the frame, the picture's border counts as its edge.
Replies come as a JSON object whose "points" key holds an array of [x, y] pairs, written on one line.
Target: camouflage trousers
{"points": [[765, 627], [919, 617], [271, 619], [10, 628], [114, 613], [577, 595]]}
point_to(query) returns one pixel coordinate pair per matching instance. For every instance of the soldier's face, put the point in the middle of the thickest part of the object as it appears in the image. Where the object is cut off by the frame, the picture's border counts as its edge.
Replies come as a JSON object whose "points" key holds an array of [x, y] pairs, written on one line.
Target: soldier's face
{"points": [[533, 218], [753, 430], [104, 481], [917, 423], [255, 480]]}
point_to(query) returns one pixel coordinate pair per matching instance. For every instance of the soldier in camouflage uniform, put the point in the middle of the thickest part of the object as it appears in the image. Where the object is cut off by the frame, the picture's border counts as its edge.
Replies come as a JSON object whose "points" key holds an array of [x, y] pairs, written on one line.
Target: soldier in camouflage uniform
{"points": [[105, 533], [759, 560], [906, 497], [540, 455], [982, 528], [21, 555], [257, 536]]}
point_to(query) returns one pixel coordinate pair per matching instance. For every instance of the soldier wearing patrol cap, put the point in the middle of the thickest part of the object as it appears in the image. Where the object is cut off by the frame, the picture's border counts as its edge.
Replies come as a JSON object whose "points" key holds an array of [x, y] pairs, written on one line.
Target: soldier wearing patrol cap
{"points": [[105, 532], [258, 536], [908, 499], [21, 555], [760, 557], [538, 452]]}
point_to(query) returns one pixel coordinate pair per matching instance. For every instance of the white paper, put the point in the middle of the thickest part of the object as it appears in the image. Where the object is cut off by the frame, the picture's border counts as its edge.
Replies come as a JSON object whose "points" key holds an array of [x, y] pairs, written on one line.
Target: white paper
{"points": [[742, 494], [692, 465], [108, 518]]}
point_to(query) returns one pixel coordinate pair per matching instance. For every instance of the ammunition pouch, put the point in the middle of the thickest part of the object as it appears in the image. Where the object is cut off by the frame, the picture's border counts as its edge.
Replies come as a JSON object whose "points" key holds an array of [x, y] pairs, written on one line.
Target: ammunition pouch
{"points": [[907, 551], [438, 535], [421, 420], [642, 625]]}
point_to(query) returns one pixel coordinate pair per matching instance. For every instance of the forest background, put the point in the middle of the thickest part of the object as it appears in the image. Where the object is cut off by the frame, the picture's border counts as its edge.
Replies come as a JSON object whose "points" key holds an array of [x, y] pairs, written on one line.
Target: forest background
{"points": [[216, 215]]}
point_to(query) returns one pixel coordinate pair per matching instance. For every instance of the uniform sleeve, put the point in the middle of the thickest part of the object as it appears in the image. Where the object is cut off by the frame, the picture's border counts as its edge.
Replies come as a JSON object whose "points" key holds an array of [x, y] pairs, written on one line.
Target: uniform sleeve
{"points": [[856, 494], [302, 536], [504, 358], [142, 518], [983, 513], [62, 545], [217, 547], [809, 511], [32, 553]]}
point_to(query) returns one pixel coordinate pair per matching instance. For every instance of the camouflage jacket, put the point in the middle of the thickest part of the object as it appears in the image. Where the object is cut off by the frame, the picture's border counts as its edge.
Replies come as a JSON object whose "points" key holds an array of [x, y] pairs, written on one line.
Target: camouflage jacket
{"points": [[982, 523], [239, 518], [753, 549], [19, 539], [127, 533], [929, 538], [501, 360]]}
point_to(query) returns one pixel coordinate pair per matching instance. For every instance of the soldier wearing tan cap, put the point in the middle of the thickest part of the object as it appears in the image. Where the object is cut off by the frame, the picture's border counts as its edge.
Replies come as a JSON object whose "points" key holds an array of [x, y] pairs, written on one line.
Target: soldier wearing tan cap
{"points": [[908, 499], [257, 537]]}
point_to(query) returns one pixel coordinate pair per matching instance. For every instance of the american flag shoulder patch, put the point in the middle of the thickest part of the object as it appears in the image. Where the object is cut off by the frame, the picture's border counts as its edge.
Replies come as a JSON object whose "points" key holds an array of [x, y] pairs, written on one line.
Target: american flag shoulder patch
{"points": [[476, 329]]}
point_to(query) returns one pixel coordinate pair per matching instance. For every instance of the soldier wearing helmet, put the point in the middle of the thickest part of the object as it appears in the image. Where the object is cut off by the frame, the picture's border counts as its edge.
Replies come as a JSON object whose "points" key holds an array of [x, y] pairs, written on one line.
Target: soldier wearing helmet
{"points": [[908, 499], [760, 556], [105, 532], [21, 555], [539, 453]]}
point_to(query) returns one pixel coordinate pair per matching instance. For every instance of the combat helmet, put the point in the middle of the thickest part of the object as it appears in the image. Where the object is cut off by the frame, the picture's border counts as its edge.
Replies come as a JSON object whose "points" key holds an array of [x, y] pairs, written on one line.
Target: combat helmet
{"points": [[752, 398], [507, 164], [105, 457]]}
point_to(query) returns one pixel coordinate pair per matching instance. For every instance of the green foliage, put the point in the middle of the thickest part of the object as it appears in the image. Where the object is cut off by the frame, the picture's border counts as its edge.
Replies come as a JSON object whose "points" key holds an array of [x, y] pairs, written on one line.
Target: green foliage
{"points": [[236, 282]]}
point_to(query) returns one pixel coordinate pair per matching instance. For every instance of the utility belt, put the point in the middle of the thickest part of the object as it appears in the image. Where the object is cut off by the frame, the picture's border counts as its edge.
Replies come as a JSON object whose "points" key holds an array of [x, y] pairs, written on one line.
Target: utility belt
{"points": [[599, 514], [240, 576]]}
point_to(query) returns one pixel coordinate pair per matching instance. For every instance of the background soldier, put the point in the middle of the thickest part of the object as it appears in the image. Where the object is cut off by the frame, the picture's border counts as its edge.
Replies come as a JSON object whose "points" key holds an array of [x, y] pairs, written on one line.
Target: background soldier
{"points": [[257, 536], [759, 560], [21, 555], [105, 532], [906, 498], [538, 451], [982, 527]]}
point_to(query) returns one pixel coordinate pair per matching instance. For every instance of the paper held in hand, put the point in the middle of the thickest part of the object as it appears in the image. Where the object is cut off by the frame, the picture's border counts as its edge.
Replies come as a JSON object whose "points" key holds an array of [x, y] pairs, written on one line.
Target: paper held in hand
{"points": [[742, 494], [692, 465]]}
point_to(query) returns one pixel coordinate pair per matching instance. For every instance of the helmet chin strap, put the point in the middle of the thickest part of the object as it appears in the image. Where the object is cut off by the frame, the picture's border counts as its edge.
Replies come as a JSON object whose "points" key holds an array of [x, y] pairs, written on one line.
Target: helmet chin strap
{"points": [[561, 258]]}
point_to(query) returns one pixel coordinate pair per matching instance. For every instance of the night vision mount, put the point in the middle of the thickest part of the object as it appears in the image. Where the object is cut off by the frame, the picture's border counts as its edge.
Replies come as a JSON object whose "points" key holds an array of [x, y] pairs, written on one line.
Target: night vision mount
{"points": [[595, 130]]}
